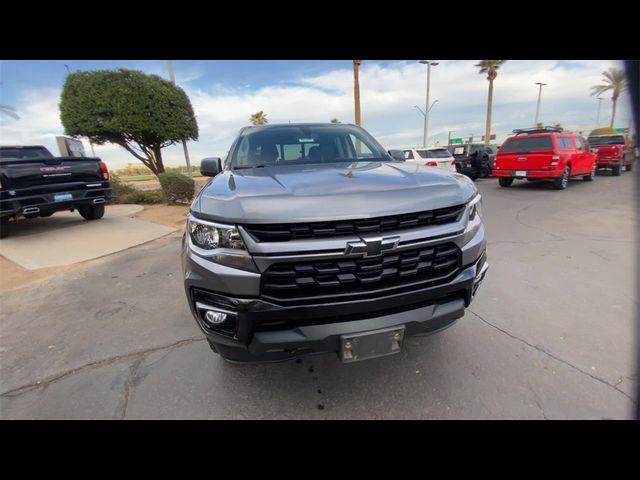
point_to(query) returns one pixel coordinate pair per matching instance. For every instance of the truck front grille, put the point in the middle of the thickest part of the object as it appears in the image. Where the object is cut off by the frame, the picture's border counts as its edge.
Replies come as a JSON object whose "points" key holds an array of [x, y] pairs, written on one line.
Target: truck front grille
{"points": [[420, 266], [286, 232]]}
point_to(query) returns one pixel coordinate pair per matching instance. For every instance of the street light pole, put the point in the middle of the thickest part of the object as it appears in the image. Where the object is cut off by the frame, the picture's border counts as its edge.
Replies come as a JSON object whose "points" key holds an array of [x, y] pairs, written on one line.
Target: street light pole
{"points": [[599, 105], [184, 142], [426, 117], [535, 124]]}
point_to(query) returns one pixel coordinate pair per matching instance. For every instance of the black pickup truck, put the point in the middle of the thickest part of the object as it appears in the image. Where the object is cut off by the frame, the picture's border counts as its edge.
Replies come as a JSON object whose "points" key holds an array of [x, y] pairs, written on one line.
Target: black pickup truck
{"points": [[34, 183]]}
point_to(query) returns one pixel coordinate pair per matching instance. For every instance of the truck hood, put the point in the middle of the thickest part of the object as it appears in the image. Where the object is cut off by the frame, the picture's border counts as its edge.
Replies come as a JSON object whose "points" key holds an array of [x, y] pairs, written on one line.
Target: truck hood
{"points": [[335, 191]]}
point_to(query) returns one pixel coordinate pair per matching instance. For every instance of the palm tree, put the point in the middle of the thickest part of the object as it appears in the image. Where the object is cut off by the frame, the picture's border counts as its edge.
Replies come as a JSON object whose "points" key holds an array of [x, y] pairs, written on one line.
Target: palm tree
{"points": [[335, 120], [9, 111], [259, 118], [490, 67], [613, 80]]}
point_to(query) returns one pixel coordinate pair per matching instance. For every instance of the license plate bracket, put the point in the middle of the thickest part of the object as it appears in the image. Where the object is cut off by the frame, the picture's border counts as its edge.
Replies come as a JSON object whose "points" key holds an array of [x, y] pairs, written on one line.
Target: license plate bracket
{"points": [[376, 343], [62, 197]]}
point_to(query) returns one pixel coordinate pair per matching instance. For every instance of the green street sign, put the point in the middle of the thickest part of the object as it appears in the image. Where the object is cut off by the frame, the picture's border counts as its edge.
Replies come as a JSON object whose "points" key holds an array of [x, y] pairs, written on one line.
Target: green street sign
{"points": [[456, 140], [622, 130]]}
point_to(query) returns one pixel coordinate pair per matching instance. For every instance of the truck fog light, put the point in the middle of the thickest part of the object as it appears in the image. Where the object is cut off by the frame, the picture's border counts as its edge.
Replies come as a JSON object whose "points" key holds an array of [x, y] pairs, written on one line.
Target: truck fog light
{"points": [[215, 318]]}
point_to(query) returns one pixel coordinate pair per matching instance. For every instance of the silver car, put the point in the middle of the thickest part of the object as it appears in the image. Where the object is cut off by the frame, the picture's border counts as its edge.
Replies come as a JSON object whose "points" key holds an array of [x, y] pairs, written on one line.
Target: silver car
{"points": [[312, 238]]}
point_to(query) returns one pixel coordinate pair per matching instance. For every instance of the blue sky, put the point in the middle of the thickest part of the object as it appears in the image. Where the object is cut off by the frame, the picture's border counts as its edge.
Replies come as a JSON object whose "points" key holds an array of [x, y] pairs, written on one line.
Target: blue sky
{"points": [[225, 93]]}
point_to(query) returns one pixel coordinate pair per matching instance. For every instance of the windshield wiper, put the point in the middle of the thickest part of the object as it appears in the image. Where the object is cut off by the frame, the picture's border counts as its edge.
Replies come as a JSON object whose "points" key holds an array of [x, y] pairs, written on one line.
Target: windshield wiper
{"points": [[243, 167]]}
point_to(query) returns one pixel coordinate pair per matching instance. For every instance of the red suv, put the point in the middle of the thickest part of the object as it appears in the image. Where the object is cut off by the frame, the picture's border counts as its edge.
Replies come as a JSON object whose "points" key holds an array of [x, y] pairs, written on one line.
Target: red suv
{"points": [[544, 153]]}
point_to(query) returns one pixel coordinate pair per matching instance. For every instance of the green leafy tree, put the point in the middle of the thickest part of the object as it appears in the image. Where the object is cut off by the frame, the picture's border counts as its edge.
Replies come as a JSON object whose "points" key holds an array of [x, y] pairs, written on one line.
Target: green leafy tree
{"points": [[614, 80], [335, 120], [259, 118], [141, 113], [490, 67]]}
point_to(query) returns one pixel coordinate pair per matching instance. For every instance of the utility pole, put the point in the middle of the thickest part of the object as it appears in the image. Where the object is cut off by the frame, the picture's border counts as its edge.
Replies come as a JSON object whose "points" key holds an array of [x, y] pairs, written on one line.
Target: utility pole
{"points": [[450, 132], [535, 124], [184, 142], [599, 105], [426, 117], [356, 88]]}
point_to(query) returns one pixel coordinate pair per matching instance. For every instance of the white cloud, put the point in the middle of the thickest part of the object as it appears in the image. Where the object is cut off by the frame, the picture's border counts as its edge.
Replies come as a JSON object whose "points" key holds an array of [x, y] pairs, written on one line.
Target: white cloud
{"points": [[388, 94]]}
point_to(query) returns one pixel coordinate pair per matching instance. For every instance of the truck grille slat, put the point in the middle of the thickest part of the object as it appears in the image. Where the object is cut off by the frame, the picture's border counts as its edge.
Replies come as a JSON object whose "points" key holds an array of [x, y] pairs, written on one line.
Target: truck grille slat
{"points": [[287, 232], [321, 278]]}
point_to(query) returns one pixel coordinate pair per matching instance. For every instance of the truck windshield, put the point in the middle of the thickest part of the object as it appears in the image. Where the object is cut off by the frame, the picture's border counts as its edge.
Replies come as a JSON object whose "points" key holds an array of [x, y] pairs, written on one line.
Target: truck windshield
{"points": [[607, 140], [527, 144], [24, 152], [305, 144]]}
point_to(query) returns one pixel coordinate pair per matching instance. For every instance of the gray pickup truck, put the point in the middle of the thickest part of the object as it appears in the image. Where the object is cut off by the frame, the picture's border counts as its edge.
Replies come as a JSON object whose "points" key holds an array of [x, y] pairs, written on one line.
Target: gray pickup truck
{"points": [[34, 183], [312, 238]]}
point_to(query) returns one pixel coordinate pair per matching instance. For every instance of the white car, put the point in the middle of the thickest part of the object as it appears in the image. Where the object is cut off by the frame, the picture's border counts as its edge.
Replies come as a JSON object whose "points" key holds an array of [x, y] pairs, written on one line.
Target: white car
{"points": [[432, 157]]}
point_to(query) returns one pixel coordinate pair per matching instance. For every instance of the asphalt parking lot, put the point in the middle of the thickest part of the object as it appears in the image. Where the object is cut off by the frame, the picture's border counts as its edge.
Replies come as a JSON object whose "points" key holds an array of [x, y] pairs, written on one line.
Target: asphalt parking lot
{"points": [[549, 336]]}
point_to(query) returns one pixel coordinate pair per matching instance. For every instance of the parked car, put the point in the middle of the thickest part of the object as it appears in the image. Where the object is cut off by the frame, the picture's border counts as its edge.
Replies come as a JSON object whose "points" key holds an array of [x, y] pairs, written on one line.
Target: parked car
{"points": [[431, 157], [34, 183], [474, 160], [312, 238], [545, 153], [615, 152]]}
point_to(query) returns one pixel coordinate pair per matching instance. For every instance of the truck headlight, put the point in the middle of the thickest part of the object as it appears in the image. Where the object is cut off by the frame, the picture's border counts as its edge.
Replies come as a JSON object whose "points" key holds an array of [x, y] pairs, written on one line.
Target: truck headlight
{"points": [[218, 243], [475, 207]]}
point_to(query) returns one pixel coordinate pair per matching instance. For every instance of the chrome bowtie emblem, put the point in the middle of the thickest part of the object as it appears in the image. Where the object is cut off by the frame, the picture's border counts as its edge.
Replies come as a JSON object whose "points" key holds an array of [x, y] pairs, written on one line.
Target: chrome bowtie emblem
{"points": [[373, 246]]}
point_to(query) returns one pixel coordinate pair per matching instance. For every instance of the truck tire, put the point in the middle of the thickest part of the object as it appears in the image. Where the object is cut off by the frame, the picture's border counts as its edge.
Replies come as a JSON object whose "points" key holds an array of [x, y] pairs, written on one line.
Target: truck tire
{"points": [[4, 227], [91, 212], [615, 171], [505, 181], [629, 167], [591, 176], [561, 182]]}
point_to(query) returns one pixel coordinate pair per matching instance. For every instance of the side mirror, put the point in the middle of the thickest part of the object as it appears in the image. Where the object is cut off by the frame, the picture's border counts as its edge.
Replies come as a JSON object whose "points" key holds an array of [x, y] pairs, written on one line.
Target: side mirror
{"points": [[211, 166], [594, 150], [397, 155]]}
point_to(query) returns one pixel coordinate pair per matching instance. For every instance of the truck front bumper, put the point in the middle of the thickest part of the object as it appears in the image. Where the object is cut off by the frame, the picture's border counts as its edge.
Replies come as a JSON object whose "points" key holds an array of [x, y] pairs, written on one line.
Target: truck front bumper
{"points": [[260, 331]]}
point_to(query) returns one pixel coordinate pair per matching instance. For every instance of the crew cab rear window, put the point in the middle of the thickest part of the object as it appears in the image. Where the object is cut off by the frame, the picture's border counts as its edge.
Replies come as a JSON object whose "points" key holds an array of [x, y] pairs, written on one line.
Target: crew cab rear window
{"points": [[527, 144], [25, 152], [607, 140]]}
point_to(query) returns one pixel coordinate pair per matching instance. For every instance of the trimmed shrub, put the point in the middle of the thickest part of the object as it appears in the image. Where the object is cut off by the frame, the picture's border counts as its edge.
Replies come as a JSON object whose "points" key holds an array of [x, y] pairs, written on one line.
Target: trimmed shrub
{"points": [[176, 187]]}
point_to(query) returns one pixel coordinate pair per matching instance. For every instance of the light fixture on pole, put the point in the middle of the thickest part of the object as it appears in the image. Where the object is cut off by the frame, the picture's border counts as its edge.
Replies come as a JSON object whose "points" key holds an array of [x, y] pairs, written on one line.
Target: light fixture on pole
{"points": [[184, 142], [434, 102], [535, 124], [426, 117]]}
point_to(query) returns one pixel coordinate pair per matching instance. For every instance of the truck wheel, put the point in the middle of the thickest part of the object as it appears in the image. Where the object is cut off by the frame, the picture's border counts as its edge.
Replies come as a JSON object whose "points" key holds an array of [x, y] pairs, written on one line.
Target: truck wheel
{"points": [[505, 181], [561, 182], [91, 212], [591, 176], [4, 227], [615, 171], [629, 167]]}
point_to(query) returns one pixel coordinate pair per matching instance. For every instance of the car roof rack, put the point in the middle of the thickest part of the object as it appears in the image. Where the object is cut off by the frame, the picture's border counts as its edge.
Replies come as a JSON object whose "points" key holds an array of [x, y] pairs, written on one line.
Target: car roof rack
{"points": [[537, 130]]}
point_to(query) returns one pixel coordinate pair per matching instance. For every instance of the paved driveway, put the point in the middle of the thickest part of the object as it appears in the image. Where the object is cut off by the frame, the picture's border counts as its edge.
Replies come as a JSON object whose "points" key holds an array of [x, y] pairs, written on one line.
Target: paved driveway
{"points": [[66, 238], [550, 334]]}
